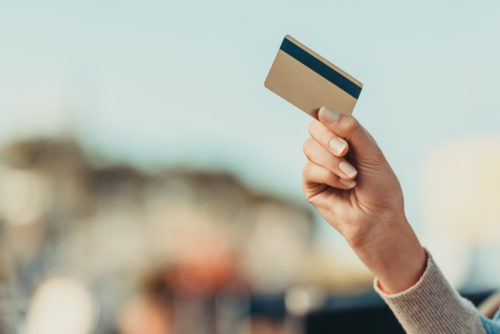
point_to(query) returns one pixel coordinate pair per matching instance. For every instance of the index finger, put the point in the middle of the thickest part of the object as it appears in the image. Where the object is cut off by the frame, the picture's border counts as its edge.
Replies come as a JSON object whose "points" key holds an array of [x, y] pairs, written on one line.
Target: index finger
{"points": [[348, 128], [328, 139]]}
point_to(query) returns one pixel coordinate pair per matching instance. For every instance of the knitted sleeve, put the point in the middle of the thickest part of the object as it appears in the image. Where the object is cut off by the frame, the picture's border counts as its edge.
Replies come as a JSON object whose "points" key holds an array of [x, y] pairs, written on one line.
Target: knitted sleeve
{"points": [[433, 306]]}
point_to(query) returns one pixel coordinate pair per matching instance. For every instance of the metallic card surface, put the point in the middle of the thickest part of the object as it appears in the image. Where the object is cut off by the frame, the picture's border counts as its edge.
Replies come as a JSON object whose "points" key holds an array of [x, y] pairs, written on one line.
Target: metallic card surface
{"points": [[309, 81]]}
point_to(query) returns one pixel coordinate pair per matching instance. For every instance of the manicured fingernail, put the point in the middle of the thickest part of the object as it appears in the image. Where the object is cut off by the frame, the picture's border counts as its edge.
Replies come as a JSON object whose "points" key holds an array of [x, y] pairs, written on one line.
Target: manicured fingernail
{"points": [[347, 168], [337, 145], [329, 114], [348, 183]]}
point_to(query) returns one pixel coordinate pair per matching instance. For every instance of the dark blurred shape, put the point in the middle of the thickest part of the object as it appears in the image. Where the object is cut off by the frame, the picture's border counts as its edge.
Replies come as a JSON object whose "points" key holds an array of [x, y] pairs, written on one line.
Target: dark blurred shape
{"points": [[361, 320], [117, 180], [361, 313], [268, 306], [44, 153]]}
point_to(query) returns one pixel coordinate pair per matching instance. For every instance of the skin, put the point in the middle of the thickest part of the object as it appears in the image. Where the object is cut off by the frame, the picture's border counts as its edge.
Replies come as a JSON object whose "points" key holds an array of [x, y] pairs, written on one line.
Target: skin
{"points": [[369, 212]]}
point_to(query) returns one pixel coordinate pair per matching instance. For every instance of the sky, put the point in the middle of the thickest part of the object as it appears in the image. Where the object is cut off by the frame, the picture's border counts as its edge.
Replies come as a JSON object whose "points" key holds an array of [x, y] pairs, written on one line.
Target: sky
{"points": [[182, 83]]}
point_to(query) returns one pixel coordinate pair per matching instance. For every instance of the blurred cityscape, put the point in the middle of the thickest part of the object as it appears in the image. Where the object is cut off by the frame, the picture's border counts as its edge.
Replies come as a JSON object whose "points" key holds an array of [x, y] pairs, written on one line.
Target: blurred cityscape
{"points": [[94, 247]]}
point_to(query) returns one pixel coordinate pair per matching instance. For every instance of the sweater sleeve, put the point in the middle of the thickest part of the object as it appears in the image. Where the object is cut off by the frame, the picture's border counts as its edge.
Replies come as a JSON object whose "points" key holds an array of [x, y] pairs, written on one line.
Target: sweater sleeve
{"points": [[432, 306]]}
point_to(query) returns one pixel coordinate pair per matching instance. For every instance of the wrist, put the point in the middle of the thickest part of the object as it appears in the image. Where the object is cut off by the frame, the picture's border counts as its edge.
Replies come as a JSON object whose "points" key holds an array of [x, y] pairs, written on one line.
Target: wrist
{"points": [[419, 277], [394, 256]]}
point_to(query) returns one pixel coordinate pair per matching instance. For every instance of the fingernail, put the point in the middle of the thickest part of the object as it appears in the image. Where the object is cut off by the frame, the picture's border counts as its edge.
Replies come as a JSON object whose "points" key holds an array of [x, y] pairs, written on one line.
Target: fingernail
{"points": [[348, 183], [347, 168], [337, 145], [329, 114]]}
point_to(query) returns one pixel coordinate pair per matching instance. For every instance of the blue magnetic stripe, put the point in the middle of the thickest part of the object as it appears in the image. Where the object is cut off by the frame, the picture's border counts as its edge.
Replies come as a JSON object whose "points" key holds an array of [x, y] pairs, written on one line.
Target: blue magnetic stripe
{"points": [[321, 68]]}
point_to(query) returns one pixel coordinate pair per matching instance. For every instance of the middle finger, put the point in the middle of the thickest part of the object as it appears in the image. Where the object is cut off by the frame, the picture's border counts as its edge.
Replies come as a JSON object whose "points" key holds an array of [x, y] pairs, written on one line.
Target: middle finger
{"points": [[319, 155]]}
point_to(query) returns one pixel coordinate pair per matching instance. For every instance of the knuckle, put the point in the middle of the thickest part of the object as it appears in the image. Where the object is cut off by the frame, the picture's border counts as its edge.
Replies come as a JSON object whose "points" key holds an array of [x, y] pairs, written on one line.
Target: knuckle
{"points": [[307, 145], [306, 169], [310, 127], [313, 127], [309, 198], [330, 178], [350, 124]]}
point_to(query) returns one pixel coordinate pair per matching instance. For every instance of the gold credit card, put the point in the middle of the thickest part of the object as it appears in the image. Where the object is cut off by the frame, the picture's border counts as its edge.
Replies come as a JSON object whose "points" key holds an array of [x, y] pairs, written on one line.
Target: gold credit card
{"points": [[309, 81]]}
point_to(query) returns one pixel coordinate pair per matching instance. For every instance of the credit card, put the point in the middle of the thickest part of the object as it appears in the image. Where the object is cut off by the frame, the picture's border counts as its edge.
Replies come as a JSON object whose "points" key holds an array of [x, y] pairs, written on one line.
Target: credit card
{"points": [[309, 81]]}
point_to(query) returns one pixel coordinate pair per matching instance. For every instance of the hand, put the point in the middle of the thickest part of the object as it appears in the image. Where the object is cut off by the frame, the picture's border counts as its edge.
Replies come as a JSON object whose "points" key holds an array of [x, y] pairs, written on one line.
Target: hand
{"points": [[361, 198]]}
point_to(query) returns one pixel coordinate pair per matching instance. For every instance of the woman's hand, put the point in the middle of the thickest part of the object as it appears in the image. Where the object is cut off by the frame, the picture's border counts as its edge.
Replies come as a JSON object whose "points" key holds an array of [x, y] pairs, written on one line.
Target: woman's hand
{"points": [[361, 198]]}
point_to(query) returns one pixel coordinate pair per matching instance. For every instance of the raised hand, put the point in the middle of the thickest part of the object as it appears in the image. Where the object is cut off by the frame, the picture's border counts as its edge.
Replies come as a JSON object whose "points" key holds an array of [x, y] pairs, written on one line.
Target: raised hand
{"points": [[353, 187]]}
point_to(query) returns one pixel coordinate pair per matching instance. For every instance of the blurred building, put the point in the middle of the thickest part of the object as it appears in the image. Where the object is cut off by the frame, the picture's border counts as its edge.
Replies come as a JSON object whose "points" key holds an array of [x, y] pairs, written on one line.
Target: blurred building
{"points": [[175, 251]]}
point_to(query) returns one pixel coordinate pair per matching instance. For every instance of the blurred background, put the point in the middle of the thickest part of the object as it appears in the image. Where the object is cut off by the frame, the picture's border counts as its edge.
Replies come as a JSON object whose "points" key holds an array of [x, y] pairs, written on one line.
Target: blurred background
{"points": [[149, 183]]}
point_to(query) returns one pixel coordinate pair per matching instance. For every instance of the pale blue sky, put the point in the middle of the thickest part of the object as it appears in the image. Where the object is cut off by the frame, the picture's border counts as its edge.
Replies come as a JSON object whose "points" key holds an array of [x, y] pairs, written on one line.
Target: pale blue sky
{"points": [[158, 82]]}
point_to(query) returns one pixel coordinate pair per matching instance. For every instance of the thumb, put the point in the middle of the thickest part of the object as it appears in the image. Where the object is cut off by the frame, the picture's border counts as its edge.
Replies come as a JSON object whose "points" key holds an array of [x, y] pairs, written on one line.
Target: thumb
{"points": [[361, 143]]}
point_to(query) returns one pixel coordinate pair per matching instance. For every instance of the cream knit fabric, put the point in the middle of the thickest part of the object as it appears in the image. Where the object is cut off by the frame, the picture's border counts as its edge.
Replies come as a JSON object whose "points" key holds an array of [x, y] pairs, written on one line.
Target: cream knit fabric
{"points": [[432, 306]]}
